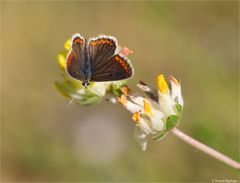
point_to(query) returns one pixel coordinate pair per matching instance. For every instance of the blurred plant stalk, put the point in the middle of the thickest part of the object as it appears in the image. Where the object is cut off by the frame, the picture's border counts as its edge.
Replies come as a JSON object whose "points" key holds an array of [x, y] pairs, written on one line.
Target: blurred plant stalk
{"points": [[206, 149]]}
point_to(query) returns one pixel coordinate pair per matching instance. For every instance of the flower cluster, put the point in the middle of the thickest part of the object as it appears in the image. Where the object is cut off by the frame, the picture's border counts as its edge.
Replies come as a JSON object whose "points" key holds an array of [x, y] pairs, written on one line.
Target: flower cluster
{"points": [[95, 92], [157, 113]]}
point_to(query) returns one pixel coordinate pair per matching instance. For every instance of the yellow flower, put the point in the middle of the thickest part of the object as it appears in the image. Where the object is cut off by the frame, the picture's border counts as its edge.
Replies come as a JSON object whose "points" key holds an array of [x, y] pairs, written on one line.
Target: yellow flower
{"points": [[147, 107], [61, 59], [67, 45], [136, 117], [146, 118], [162, 84], [157, 114]]}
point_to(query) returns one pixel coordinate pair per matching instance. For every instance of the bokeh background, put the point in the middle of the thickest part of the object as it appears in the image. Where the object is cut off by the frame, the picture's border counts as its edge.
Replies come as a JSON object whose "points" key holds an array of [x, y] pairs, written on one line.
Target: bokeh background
{"points": [[43, 140]]}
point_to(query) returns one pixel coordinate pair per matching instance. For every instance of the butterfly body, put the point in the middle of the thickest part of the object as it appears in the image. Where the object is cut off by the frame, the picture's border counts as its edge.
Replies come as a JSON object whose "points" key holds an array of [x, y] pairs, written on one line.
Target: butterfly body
{"points": [[86, 69], [95, 60]]}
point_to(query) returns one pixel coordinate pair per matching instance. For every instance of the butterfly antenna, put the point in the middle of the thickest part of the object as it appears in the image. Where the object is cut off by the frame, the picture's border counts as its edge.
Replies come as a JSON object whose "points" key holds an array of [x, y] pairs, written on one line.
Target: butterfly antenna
{"points": [[70, 102], [100, 93]]}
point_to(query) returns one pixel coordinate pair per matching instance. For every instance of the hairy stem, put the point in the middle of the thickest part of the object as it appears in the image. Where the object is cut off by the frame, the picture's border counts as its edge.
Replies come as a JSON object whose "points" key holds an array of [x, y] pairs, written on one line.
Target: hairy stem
{"points": [[208, 150]]}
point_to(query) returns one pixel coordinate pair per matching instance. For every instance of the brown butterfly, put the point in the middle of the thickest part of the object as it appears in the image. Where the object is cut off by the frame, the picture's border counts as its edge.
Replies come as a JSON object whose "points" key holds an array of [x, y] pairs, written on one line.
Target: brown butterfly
{"points": [[96, 60]]}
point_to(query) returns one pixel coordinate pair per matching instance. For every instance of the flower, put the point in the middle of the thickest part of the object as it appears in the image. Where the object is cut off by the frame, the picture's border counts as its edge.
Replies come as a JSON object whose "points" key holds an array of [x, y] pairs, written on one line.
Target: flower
{"points": [[156, 114], [126, 51], [61, 58]]}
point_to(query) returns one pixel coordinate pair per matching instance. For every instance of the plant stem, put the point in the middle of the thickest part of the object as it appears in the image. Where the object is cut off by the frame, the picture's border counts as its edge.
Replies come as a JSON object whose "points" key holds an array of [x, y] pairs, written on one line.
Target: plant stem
{"points": [[208, 150]]}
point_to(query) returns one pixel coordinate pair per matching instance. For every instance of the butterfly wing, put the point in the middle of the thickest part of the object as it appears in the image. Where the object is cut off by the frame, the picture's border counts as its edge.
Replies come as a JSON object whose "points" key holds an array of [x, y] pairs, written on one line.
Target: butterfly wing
{"points": [[100, 50], [116, 68], [75, 57], [105, 65]]}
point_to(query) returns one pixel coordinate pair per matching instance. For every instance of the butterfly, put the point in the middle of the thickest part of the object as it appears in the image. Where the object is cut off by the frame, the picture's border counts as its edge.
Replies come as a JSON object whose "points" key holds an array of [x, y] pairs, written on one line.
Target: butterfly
{"points": [[96, 60]]}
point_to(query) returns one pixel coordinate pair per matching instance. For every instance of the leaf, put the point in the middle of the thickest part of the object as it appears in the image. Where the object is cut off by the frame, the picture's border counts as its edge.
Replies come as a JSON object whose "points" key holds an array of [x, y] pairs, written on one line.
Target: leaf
{"points": [[160, 136], [86, 101], [73, 82], [69, 88], [172, 121], [179, 108], [65, 89]]}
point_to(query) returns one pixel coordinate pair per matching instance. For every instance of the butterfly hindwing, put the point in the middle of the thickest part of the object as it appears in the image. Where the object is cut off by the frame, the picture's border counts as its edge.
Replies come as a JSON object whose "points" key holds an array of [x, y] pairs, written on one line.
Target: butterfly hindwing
{"points": [[75, 57], [116, 68]]}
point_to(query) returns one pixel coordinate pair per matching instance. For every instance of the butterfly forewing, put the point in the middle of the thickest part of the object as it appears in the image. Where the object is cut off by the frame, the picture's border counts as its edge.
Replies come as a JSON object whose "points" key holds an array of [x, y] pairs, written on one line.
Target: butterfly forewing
{"points": [[116, 68], [75, 57], [100, 50]]}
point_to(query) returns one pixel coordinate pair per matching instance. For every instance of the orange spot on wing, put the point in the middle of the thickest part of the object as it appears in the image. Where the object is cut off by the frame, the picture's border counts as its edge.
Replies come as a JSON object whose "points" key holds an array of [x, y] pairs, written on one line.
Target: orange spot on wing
{"points": [[70, 57], [123, 64], [110, 42], [117, 58], [93, 43], [125, 67], [78, 40]]}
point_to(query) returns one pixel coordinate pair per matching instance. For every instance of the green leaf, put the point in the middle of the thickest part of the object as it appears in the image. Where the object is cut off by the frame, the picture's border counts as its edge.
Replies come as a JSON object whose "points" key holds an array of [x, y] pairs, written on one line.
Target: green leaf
{"points": [[65, 89], [70, 87], [74, 83], [86, 101], [179, 108], [172, 121], [160, 136]]}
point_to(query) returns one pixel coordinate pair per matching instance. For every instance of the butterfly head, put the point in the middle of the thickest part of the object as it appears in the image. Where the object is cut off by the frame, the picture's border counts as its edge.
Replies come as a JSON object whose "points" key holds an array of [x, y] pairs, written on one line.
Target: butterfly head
{"points": [[85, 83]]}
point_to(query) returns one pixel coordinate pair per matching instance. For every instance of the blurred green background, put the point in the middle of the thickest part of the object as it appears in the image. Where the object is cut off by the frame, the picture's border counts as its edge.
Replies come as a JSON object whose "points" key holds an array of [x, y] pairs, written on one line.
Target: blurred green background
{"points": [[43, 140]]}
